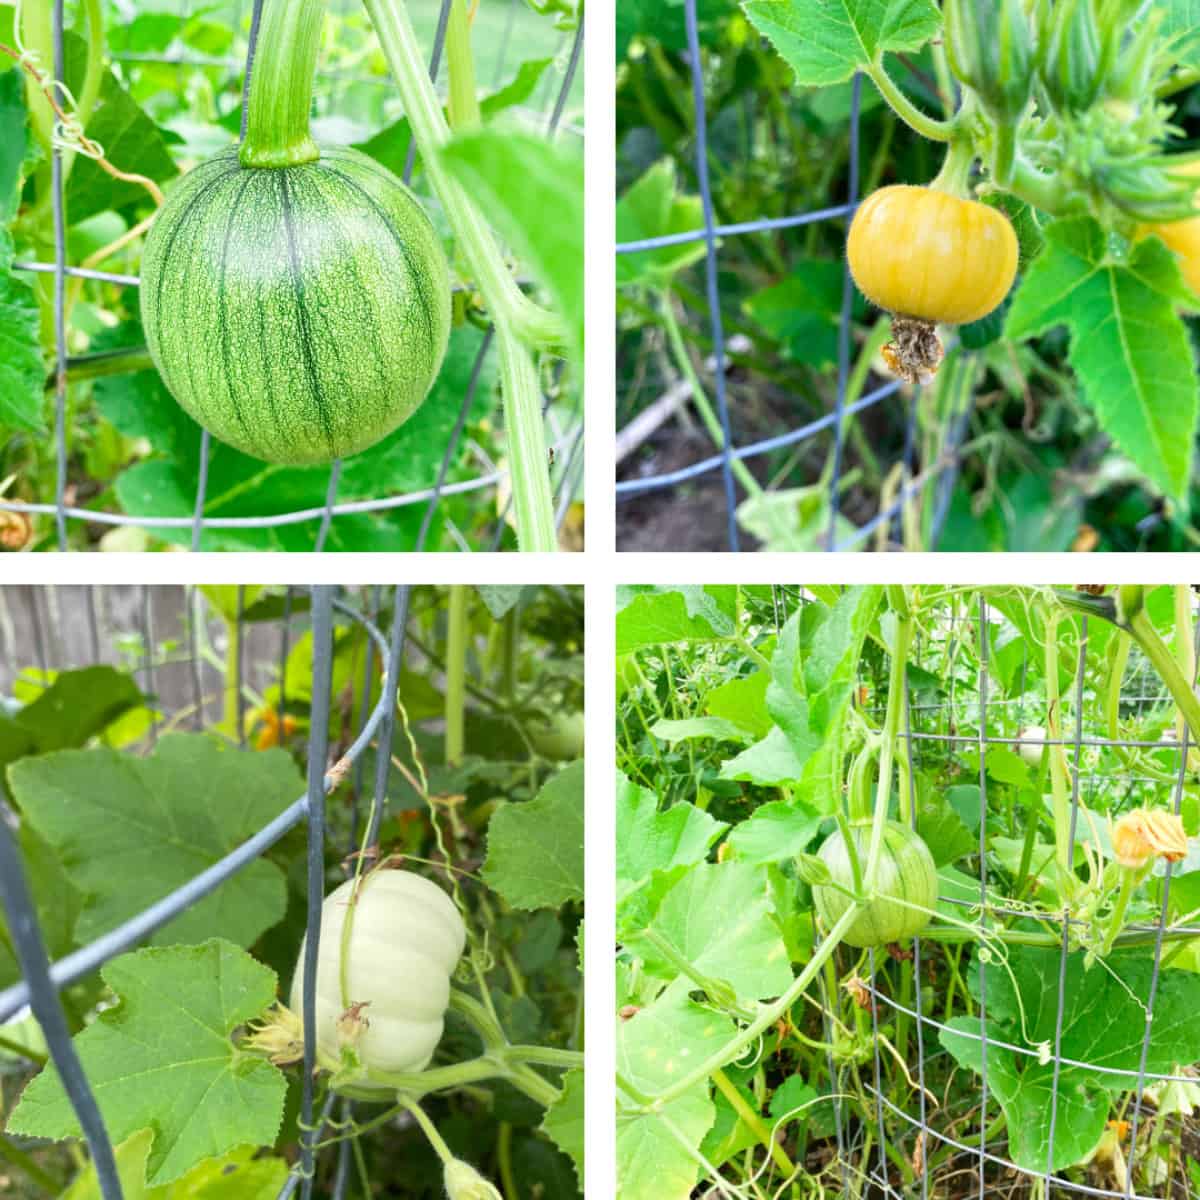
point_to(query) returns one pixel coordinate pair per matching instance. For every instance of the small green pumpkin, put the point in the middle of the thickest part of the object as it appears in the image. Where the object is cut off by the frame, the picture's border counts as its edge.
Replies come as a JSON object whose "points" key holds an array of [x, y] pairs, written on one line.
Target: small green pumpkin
{"points": [[299, 313], [906, 871]]}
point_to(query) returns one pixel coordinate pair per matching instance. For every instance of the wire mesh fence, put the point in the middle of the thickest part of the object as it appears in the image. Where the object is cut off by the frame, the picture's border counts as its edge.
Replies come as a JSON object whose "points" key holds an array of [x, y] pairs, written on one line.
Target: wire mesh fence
{"points": [[828, 430], [1022, 1042], [965, 1148], [545, 109], [148, 629]]}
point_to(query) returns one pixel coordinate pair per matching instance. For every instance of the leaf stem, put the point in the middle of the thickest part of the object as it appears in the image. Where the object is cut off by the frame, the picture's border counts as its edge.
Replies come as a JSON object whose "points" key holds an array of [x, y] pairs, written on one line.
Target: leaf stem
{"points": [[508, 306], [926, 126]]}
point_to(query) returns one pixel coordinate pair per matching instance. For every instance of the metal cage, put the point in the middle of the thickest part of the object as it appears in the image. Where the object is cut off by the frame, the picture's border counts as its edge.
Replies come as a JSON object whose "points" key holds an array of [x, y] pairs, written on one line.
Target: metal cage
{"points": [[35, 613], [832, 424], [567, 442]]}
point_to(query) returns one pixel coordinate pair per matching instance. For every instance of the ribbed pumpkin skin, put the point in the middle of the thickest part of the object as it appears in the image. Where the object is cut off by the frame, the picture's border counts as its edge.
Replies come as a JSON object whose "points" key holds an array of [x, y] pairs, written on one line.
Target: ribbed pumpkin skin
{"points": [[919, 252], [906, 869], [299, 314], [406, 940]]}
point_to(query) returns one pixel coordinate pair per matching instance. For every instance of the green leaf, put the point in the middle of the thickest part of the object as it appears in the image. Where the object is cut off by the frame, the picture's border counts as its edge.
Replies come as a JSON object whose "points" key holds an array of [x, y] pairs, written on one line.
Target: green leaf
{"points": [[499, 598], [517, 90], [769, 762], [1103, 1025], [163, 1058], [12, 144], [833, 658], [729, 1134], [777, 830], [486, 163], [653, 1158], [131, 141], [67, 709], [718, 917], [652, 208], [1129, 346], [803, 311], [563, 1123], [389, 146], [649, 841], [130, 831], [793, 520], [535, 849], [224, 598], [657, 616], [56, 901], [826, 41], [75, 707], [234, 1176], [743, 702], [22, 376], [408, 460], [942, 830], [697, 727], [654, 20]]}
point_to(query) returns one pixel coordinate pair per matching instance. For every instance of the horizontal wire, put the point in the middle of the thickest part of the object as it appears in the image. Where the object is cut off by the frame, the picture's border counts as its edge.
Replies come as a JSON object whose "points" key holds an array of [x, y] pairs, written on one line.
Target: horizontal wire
{"points": [[627, 487], [768, 223], [266, 522]]}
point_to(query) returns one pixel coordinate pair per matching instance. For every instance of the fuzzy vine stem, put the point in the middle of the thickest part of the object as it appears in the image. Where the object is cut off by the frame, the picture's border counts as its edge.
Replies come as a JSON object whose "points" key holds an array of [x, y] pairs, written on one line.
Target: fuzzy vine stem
{"points": [[905, 109], [898, 599], [528, 457], [1058, 780], [505, 302], [519, 322]]}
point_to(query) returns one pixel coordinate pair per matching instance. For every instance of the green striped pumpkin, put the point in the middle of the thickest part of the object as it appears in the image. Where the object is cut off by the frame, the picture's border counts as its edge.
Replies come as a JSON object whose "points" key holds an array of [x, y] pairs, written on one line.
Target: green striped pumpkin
{"points": [[298, 313], [906, 871]]}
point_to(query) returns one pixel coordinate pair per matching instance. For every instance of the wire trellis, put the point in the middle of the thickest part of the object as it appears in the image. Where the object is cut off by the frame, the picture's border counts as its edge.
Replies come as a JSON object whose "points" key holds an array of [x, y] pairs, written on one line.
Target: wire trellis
{"points": [[995, 722], [43, 981], [943, 472], [566, 442]]}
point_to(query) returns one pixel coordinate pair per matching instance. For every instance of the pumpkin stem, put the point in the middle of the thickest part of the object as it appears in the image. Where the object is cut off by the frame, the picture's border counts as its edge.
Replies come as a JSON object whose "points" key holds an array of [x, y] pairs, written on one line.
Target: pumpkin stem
{"points": [[281, 85]]}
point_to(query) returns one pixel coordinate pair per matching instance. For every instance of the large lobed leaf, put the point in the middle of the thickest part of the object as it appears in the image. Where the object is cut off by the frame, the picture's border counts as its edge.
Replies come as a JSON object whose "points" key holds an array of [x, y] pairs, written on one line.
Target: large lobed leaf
{"points": [[826, 41], [1103, 1026], [1129, 346], [163, 1059], [129, 831], [535, 849]]}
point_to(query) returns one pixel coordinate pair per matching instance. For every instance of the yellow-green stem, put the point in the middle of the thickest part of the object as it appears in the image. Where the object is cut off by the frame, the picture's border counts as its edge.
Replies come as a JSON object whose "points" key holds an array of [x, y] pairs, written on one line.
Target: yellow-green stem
{"points": [[463, 103], [753, 1122], [281, 83], [456, 675]]}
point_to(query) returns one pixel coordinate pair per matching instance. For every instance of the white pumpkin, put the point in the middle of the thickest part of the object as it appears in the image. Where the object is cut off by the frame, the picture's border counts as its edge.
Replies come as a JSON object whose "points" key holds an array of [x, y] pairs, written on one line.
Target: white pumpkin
{"points": [[406, 939], [1031, 753]]}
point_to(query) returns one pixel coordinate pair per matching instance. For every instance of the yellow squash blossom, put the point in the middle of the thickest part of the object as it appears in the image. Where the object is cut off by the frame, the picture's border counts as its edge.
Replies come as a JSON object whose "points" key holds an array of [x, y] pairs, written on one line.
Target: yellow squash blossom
{"points": [[1148, 833]]}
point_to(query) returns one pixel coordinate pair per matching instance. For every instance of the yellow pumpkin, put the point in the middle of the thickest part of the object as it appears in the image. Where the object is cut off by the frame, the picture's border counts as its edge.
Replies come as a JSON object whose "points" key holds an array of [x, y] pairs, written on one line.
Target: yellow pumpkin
{"points": [[1182, 236], [918, 252]]}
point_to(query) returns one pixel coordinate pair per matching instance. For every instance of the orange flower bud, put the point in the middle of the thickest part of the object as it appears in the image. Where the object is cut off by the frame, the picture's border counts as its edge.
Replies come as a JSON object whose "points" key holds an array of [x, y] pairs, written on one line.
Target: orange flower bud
{"points": [[1148, 833], [16, 530]]}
